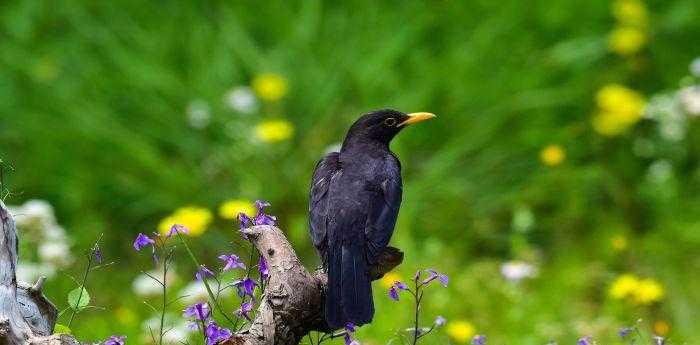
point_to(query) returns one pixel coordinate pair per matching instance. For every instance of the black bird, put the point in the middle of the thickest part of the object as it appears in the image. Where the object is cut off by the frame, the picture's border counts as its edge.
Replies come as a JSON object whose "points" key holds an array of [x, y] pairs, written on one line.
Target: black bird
{"points": [[353, 204]]}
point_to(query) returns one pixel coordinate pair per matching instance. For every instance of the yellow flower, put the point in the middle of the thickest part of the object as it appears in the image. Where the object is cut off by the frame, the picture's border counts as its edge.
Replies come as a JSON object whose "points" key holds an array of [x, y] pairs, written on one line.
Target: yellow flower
{"points": [[623, 286], [648, 291], [661, 328], [626, 40], [461, 331], [620, 107], [615, 98], [274, 130], [388, 279], [630, 13], [636, 290], [196, 219], [231, 208], [552, 155], [619, 242], [270, 87]]}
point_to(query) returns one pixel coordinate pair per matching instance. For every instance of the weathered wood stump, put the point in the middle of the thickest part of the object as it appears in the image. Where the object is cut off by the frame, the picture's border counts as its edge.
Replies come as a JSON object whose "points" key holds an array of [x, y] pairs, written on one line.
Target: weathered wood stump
{"points": [[291, 307]]}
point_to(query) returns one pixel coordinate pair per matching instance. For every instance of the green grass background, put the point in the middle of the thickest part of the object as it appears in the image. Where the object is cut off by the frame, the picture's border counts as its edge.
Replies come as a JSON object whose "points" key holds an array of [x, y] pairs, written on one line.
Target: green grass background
{"points": [[92, 118]]}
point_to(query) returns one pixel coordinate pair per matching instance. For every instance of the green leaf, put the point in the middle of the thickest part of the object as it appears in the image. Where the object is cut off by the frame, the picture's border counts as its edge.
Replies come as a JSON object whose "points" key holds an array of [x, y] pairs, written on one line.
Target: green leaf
{"points": [[73, 297], [61, 329]]}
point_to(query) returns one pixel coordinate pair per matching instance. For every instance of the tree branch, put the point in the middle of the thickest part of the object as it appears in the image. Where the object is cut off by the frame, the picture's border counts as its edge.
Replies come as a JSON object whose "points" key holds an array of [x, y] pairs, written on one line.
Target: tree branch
{"points": [[292, 304]]}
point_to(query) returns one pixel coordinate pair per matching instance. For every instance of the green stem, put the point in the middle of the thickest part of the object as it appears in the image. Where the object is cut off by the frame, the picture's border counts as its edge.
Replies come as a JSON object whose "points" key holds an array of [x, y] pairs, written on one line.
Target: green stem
{"points": [[204, 280], [165, 289], [82, 288]]}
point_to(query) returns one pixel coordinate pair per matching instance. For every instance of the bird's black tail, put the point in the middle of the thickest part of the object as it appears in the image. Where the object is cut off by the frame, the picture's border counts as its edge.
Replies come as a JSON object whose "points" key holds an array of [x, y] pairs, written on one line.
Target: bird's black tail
{"points": [[349, 295]]}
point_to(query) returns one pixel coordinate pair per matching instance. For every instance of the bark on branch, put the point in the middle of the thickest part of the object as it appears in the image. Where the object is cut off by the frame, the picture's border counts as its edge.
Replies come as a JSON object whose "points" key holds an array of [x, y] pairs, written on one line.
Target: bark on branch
{"points": [[292, 304]]}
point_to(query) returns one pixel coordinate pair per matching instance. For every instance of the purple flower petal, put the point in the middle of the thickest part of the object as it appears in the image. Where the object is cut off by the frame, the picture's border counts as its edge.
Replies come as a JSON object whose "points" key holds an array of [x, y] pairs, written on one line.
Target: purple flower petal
{"points": [[244, 220], [232, 261], [98, 254], [263, 219], [177, 228], [215, 334], [440, 321], [393, 293], [350, 327], [200, 311], [142, 241], [401, 286], [115, 340], [585, 340], [479, 340], [624, 331], [244, 310], [263, 269], [246, 287], [261, 204], [203, 272]]}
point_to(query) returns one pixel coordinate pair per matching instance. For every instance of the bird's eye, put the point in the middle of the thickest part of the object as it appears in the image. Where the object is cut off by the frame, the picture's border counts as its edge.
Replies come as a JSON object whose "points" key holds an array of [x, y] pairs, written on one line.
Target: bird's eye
{"points": [[390, 121]]}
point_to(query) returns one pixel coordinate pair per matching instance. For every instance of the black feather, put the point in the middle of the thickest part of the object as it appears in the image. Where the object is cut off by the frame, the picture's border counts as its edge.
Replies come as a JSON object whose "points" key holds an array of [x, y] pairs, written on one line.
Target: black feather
{"points": [[353, 205]]}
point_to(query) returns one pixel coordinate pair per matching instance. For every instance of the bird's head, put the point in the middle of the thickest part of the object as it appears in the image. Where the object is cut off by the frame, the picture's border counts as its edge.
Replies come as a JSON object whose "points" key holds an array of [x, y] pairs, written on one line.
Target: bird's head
{"points": [[382, 125]]}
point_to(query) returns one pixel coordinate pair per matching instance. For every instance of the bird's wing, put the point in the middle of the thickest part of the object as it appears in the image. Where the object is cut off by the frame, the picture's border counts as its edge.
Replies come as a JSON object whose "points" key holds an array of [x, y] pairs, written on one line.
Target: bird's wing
{"points": [[384, 209], [326, 169]]}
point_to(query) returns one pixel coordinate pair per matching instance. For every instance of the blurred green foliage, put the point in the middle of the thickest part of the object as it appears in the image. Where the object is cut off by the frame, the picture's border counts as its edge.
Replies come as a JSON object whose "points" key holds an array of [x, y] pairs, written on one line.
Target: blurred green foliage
{"points": [[94, 119]]}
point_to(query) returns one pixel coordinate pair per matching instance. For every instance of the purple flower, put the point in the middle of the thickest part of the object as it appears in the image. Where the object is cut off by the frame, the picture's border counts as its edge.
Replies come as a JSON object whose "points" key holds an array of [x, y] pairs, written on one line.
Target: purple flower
{"points": [[434, 274], [350, 328], [245, 287], [479, 339], [244, 310], [393, 293], [659, 340], [585, 340], [417, 276], [440, 321], [215, 333], [203, 272], [624, 331], [394, 290], [261, 218], [200, 311], [401, 286], [115, 340], [177, 228], [261, 204], [142, 241], [263, 269], [98, 254], [350, 341], [232, 261], [244, 220]]}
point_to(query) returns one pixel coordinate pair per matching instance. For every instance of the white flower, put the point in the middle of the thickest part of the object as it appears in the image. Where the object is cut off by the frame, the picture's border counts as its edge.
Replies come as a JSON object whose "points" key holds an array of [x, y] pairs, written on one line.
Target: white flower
{"points": [[695, 67], [34, 213], [144, 285], [56, 253], [55, 233], [30, 272], [177, 333], [515, 271], [198, 114], [194, 292], [690, 97], [241, 99], [660, 171]]}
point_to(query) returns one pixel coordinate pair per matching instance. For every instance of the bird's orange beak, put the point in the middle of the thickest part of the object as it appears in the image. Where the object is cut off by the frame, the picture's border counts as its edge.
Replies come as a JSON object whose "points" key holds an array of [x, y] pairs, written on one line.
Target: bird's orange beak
{"points": [[416, 117]]}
